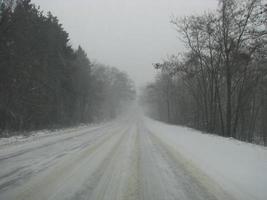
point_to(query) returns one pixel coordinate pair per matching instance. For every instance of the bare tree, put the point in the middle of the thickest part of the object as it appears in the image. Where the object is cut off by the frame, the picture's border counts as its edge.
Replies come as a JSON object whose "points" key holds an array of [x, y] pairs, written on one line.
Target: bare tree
{"points": [[222, 69]]}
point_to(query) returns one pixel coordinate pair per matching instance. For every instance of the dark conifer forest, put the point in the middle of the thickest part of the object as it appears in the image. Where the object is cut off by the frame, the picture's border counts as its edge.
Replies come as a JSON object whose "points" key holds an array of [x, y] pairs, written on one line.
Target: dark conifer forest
{"points": [[44, 81]]}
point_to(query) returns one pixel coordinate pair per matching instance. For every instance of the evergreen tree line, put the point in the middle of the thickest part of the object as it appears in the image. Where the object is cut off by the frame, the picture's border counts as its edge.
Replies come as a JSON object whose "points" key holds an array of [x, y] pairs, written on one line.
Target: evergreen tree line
{"points": [[44, 82], [219, 84]]}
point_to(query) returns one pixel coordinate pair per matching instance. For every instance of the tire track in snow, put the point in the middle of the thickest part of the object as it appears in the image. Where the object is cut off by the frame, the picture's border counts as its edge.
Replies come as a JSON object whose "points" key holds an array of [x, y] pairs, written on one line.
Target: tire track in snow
{"points": [[133, 189], [113, 182], [82, 133], [24, 171], [101, 172], [42, 186]]}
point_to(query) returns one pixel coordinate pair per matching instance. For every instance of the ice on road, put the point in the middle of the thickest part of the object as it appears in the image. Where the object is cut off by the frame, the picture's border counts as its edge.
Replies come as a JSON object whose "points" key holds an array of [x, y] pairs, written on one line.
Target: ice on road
{"points": [[121, 160]]}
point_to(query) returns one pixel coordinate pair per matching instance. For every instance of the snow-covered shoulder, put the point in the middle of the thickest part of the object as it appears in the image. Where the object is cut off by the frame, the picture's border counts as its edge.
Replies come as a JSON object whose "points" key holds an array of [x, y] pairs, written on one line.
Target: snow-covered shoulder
{"points": [[239, 167]]}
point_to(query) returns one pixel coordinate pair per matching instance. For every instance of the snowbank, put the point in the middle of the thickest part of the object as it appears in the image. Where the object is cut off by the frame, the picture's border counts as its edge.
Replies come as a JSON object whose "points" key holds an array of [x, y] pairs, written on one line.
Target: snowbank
{"points": [[37, 135], [239, 167]]}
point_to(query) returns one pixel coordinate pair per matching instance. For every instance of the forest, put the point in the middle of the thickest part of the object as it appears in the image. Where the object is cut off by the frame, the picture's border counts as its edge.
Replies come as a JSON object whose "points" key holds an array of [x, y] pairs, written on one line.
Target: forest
{"points": [[44, 82], [218, 84]]}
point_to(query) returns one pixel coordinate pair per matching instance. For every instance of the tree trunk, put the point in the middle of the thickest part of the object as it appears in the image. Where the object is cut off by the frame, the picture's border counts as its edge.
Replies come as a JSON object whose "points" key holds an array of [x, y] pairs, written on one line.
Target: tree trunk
{"points": [[228, 99]]}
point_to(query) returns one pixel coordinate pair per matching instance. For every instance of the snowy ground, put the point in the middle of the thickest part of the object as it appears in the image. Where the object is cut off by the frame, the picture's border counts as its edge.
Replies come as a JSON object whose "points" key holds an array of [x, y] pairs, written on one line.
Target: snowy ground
{"points": [[133, 158], [240, 168]]}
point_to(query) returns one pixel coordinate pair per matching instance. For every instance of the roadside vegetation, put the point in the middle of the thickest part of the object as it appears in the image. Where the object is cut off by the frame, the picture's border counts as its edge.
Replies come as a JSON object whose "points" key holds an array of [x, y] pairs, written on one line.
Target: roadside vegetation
{"points": [[44, 81], [219, 84]]}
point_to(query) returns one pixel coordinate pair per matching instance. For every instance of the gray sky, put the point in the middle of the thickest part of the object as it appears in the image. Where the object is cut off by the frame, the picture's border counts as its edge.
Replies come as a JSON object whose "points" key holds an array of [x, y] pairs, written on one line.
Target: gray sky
{"points": [[128, 34]]}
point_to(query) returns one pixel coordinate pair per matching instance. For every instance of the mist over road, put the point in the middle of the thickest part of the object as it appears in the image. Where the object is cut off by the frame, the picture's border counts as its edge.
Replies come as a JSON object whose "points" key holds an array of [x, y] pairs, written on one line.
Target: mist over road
{"points": [[120, 160]]}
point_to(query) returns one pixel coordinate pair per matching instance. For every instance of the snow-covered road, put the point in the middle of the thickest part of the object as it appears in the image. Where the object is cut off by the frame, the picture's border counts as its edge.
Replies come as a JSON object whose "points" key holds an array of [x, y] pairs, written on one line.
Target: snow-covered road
{"points": [[121, 160]]}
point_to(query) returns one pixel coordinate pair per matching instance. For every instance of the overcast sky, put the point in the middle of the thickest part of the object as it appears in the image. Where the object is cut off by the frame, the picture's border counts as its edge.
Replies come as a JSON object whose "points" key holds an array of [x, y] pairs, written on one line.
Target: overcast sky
{"points": [[128, 34]]}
